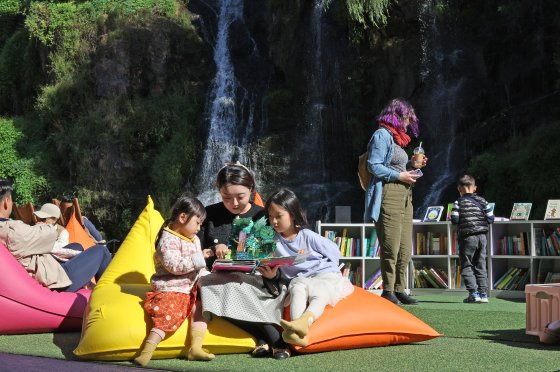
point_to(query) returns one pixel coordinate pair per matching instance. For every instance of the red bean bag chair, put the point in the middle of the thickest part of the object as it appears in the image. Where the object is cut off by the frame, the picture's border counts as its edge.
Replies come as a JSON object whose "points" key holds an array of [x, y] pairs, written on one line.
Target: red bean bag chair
{"points": [[364, 319], [28, 307]]}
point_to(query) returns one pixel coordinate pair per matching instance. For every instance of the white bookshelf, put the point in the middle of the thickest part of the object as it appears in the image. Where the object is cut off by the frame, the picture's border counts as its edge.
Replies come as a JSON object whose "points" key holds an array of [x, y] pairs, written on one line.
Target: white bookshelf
{"points": [[446, 259]]}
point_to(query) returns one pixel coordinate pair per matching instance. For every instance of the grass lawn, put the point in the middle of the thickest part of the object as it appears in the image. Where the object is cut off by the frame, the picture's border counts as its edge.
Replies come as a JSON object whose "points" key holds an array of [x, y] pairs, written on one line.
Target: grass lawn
{"points": [[476, 337]]}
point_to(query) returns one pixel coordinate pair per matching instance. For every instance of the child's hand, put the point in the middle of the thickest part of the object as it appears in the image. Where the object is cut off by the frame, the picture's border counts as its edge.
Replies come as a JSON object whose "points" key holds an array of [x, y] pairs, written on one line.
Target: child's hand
{"points": [[207, 253], [268, 272], [221, 250]]}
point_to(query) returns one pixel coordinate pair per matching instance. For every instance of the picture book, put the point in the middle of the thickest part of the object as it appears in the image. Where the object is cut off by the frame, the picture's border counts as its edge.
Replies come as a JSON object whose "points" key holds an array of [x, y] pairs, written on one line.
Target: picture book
{"points": [[433, 214], [250, 240], [552, 210], [521, 211], [250, 266], [449, 209]]}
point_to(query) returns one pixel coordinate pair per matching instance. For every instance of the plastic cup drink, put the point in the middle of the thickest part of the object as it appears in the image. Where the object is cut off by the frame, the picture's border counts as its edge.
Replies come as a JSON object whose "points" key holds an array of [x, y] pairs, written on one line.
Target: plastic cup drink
{"points": [[418, 156]]}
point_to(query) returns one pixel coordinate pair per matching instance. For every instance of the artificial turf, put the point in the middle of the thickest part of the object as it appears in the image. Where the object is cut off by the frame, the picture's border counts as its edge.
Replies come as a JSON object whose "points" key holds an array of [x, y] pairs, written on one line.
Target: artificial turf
{"points": [[476, 337]]}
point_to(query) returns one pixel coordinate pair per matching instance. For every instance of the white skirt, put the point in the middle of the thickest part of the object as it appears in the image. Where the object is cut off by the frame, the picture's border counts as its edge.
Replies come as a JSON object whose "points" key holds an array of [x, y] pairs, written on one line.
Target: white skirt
{"points": [[332, 284]]}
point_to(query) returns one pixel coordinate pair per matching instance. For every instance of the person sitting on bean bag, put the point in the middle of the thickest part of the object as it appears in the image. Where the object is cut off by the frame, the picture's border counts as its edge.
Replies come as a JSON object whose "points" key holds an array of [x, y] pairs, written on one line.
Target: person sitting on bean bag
{"points": [[32, 247]]}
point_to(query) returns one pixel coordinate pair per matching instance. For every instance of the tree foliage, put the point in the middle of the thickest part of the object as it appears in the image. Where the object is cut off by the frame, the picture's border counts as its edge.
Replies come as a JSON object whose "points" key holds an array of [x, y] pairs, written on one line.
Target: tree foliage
{"points": [[18, 168], [524, 169], [366, 13]]}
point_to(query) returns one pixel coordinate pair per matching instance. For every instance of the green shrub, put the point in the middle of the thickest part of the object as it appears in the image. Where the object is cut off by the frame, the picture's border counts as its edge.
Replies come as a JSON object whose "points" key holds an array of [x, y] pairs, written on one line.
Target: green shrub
{"points": [[523, 170], [28, 185]]}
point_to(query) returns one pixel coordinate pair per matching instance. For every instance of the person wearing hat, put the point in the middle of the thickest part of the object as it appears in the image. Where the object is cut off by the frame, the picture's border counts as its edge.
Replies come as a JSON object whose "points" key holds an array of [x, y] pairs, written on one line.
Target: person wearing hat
{"points": [[62, 249], [32, 247]]}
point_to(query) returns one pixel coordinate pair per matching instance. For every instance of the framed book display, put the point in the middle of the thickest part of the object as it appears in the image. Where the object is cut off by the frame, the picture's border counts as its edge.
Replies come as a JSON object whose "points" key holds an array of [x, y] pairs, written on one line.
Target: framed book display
{"points": [[521, 211], [552, 210], [433, 214]]}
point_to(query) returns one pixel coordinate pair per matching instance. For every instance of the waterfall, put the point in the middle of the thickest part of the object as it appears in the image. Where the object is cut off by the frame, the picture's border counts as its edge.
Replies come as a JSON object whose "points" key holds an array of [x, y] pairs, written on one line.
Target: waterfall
{"points": [[318, 185], [441, 108], [230, 126], [313, 189]]}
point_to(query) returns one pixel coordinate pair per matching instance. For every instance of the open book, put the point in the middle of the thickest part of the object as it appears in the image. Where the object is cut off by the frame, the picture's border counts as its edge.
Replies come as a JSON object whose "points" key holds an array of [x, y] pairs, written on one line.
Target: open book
{"points": [[250, 266]]}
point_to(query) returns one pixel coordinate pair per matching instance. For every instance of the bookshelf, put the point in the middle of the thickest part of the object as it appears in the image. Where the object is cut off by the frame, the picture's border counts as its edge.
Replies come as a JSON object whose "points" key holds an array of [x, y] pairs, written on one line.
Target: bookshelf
{"points": [[529, 251], [363, 260]]}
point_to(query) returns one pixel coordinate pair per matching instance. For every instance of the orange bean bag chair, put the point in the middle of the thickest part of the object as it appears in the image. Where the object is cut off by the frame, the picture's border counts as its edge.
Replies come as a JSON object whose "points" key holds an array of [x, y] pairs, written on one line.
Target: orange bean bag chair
{"points": [[364, 319], [77, 233]]}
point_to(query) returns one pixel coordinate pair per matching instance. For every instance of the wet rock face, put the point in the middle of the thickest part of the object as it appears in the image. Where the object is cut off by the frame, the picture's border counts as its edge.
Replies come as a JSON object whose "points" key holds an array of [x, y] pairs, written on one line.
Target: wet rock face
{"points": [[147, 60]]}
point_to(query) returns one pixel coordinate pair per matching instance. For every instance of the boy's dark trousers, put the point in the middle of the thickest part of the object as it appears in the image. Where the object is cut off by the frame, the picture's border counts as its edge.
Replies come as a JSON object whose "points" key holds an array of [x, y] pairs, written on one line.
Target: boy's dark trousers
{"points": [[472, 253]]}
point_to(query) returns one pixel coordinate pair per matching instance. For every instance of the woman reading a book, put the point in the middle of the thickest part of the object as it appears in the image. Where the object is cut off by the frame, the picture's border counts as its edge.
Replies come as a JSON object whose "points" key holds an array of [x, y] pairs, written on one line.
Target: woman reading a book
{"points": [[242, 299], [389, 195]]}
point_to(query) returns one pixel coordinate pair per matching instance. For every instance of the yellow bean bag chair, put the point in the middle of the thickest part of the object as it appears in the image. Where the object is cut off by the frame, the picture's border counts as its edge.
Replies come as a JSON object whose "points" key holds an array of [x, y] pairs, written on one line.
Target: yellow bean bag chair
{"points": [[115, 324]]}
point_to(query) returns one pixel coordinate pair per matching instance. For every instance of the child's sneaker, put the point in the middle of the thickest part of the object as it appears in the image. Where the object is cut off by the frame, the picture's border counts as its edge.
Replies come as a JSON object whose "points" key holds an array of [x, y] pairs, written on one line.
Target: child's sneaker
{"points": [[473, 298], [483, 298]]}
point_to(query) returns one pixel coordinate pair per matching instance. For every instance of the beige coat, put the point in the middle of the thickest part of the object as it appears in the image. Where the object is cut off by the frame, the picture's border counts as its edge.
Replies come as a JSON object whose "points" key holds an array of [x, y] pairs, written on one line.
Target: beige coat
{"points": [[31, 246]]}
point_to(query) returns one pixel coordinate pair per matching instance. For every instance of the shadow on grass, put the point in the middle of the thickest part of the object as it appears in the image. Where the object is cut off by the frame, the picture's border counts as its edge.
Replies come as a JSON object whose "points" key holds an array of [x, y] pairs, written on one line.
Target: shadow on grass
{"points": [[436, 302], [67, 342], [516, 338]]}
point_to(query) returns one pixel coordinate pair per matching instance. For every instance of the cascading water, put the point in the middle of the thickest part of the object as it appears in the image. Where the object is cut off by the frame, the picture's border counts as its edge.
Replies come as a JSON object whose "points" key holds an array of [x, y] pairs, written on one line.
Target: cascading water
{"points": [[229, 130], [440, 109], [314, 184]]}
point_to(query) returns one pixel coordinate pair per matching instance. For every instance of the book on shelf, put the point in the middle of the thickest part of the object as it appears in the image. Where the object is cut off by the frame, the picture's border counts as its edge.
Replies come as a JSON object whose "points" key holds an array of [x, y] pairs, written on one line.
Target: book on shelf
{"points": [[354, 275], [552, 210], [369, 283], [429, 277], [514, 278], [430, 243], [456, 277], [552, 277], [521, 211], [440, 277], [547, 241], [251, 265], [372, 244], [433, 214], [348, 246], [514, 245]]}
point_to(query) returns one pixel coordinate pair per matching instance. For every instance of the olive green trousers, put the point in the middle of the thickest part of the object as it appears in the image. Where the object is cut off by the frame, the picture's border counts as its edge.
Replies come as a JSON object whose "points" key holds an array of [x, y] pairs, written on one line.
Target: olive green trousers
{"points": [[394, 230]]}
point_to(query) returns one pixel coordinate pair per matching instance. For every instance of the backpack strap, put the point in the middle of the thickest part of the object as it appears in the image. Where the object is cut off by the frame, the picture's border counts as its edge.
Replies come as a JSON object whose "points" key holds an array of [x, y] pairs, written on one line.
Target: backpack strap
{"points": [[475, 202]]}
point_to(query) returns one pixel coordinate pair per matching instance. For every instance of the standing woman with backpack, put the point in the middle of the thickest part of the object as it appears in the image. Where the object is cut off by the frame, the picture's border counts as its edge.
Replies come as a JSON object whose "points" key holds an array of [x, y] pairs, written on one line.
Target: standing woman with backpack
{"points": [[389, 195]]}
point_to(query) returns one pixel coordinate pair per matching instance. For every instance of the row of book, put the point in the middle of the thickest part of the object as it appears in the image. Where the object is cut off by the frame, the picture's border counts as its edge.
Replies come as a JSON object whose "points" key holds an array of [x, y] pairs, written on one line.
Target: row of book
{"points": [[375, 281], [547, 242], [517, 245], [354, 274], [430, 277], [352, 247], [430, 243], [515, 279], [551, 277]]}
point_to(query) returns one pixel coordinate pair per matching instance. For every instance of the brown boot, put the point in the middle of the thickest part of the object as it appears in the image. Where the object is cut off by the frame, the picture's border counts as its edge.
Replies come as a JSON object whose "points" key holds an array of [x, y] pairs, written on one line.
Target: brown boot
{"points": [[294, 339], [146, 354], [299, 326], [196, 352]]}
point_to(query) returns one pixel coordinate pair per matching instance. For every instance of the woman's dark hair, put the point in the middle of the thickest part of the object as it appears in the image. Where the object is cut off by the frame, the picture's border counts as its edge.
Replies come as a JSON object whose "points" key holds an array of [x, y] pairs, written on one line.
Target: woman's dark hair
{"points": [[235, 174], [287, 199], [187, 204], [5, 189]]}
